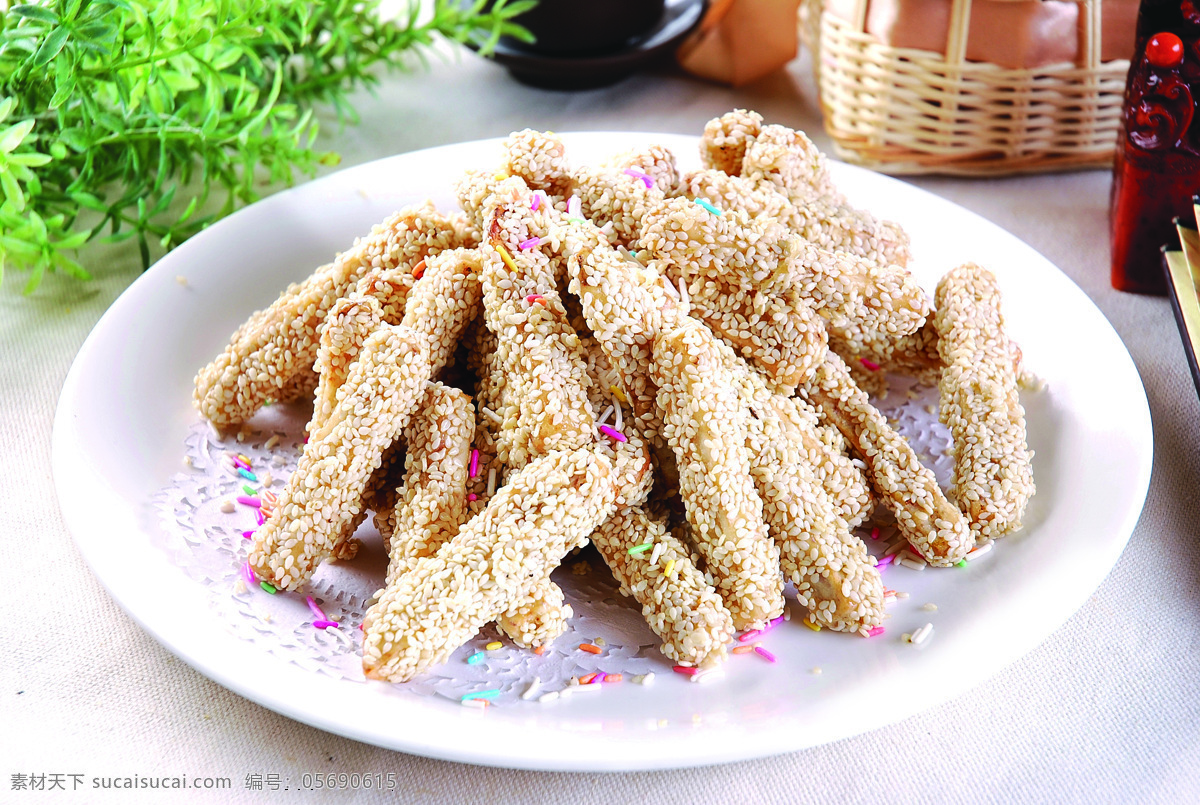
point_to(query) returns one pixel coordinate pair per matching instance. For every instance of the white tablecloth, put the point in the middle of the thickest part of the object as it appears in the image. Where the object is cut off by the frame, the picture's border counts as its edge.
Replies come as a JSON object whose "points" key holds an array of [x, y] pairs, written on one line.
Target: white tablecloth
{"points": [[1106, 710]]}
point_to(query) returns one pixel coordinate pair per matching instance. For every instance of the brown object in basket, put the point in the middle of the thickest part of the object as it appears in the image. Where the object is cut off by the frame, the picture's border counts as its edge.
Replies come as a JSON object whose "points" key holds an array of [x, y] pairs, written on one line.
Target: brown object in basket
{"points": [[739, 41], [984, 88]]}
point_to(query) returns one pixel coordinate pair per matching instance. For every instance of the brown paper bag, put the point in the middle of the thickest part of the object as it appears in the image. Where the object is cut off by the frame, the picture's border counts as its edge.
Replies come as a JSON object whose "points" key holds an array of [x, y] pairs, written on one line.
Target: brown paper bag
{"points": [[740, 41]]}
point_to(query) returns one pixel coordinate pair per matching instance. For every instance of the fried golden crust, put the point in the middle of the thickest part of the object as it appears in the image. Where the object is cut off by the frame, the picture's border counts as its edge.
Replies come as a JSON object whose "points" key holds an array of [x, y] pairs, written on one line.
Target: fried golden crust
{"points": [[547, 508], [993, 472], [930, 522], [705, 424], [275, 345], [382, 389]]}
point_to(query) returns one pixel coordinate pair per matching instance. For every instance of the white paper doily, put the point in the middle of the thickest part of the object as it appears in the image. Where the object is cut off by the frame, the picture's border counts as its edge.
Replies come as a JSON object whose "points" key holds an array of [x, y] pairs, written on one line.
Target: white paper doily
{"points": [[208, 543]]}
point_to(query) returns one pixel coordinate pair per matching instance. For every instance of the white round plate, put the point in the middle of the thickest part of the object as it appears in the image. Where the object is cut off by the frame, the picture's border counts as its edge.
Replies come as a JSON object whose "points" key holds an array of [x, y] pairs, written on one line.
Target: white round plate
{"points": [[126, 406]]}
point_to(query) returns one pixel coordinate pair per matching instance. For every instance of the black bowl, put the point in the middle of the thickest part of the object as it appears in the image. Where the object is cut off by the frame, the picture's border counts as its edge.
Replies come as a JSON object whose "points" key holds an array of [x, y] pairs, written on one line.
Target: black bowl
{"points": [[573, 72], [585, 28]]}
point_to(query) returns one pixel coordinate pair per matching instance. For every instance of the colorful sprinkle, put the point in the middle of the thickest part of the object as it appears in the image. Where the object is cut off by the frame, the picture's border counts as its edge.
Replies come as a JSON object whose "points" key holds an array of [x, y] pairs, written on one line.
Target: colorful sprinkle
{"points": [[492, 646], [483, 694], [259, 516], [816, 627], [472, 496], [539, 650], [249, 476], [613, 433], [534, 298], [750, 635], [589, 648], [249, 575], [743, 649], [645, 546], [574, 207], [419, 270], [705, 205], [669, 567], [686, 670], [961, 563], [875, 532], [474, 463], [571, 690], [874, 367], [884, 562], [771, 624], [249, 490], [325, 624], [266, 585], [620, 395], [537, 201], [612, 678], [878, 630], [637, 174], [249, 501], [244, 459], [506, 257], [587, 679], [476, 658], [478, 704], [316, 610], [766, 655], [248, 534], [979, 551], [532, 243]]}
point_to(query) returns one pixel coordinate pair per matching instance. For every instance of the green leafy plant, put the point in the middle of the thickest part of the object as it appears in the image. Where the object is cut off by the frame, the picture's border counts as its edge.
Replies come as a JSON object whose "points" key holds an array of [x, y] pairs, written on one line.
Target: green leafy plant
{"points": [[110, 109]]}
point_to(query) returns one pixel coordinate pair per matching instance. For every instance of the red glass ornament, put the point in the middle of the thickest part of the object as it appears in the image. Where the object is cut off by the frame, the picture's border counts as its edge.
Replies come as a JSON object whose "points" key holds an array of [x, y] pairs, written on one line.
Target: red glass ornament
{"points": [[1164, 49], [1157, 169]]}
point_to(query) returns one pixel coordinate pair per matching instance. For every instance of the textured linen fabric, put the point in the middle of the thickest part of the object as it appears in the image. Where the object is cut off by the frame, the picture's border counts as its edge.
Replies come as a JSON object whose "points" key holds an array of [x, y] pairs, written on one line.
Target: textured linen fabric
{"points": [[1107, 709]]}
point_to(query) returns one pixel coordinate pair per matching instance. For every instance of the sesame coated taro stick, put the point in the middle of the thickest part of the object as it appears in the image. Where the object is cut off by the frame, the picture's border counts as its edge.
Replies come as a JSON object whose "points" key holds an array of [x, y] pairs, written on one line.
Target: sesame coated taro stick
{"points": [[930, 522], [993, 473], [275, 345], [382, 390]]}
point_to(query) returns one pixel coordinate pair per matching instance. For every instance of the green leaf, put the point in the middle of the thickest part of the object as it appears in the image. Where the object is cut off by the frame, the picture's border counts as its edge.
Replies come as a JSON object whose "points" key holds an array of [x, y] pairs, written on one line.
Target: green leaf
{"points": [[12, 190], [97, 32], [89, 202], [29, 158], [35, 13], [6, 107], [14, 135], [35, 279], [74, 240], [50, 46], [75, 139], [62, 93], [64, 81], [38, 225], [70, 266]]}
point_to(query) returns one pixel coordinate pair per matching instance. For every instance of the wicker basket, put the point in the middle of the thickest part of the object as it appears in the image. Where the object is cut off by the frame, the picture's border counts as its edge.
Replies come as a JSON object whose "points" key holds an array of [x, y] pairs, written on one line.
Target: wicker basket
{"points": [[900, 110]]}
